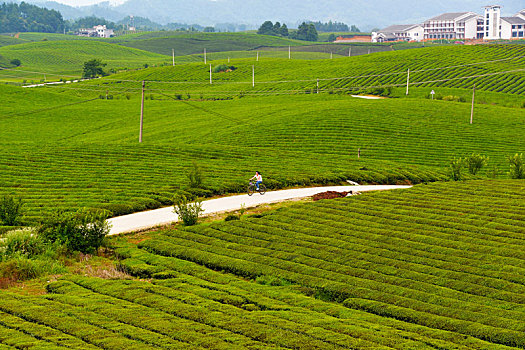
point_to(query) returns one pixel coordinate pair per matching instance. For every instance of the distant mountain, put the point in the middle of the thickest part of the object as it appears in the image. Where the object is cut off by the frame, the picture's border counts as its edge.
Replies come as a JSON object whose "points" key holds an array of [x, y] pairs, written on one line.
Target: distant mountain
{"points": [[364, 13]]}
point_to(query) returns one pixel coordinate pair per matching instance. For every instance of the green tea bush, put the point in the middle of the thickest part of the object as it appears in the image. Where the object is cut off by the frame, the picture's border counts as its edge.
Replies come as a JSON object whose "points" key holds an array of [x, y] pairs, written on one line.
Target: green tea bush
{"points": [[517, 167], [187, 210], [475, 162], [456, 165], [82, 231], [10, 210], [195, 176], [21, 242]]}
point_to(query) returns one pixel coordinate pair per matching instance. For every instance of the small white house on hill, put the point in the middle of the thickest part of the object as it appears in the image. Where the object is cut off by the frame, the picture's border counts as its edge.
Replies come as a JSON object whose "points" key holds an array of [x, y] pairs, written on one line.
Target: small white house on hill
{"points": [[100, 31]]}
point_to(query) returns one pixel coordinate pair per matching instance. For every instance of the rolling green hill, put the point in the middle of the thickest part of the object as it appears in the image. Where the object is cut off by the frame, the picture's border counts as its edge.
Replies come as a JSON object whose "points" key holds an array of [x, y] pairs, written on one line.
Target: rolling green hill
{"points": [[8, 40], [73, 152], [497, 68], [188, 44], [437, 266], [66, 58]]}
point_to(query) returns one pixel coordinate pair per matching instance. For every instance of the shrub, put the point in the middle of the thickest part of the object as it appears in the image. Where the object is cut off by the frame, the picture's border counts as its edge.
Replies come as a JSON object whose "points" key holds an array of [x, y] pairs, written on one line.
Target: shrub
{"points": [[16, 62], [21, 242], [82, 231], [475, 162], [517, 167], [223, 68], [10, 210], [187, 210], [456, 166], [453, 98], [195, 176], [232, 217]]}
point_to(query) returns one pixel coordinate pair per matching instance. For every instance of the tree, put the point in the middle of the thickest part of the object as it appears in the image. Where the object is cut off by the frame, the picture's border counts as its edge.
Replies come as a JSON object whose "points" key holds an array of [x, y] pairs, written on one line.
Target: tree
{"points": [[266, 28], [93, 68], [16, 62], [284, 30], [209, 30], [354, 29], [332, 38], [306, 32]]}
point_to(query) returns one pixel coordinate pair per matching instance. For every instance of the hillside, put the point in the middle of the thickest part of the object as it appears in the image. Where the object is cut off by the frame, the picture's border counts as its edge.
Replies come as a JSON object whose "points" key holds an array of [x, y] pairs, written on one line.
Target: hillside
{"points": [[436, 266], [90, 146], [66, 58], [187, 44], [497, 68]]}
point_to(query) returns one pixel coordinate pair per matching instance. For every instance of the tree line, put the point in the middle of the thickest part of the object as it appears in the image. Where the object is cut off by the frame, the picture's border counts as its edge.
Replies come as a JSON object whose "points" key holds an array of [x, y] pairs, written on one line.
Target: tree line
{"points": [[25, 17], [306, 31], [334, 27]]}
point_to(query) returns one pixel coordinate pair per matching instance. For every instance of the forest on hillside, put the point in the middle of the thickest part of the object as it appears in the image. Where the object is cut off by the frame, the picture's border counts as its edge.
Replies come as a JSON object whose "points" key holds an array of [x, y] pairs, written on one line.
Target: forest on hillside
{"points": [[25, 17]]}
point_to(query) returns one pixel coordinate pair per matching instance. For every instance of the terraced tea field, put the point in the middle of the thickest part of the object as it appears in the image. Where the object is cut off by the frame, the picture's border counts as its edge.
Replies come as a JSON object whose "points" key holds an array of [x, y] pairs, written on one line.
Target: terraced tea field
{"points": [[62, 151], [436, 266], [497, 68], [65, 59], [188, 44]]}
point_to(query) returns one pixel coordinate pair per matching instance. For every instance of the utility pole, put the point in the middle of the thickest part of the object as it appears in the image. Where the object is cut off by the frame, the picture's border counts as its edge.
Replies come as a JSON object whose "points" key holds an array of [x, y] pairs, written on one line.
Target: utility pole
{"points": [[142, 112], [350, 52], [289, 52], [173, 55], [257, 56], [228, 59], [331, 55], [472, 110], [408, 79], [369, 51], [205, 56], [211, 81], [253, 76]]}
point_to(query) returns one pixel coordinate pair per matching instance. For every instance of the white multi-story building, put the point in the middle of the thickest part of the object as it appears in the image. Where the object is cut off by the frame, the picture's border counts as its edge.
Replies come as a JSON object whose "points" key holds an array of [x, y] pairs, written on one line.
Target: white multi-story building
{"points": [[497, 27], [404, 32], [459, 26]]}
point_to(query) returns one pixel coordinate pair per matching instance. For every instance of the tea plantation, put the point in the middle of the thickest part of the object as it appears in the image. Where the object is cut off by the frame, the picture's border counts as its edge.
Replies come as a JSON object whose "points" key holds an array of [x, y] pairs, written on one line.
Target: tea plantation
{"points": [[436, 266], [497, 68], [62, 151]]}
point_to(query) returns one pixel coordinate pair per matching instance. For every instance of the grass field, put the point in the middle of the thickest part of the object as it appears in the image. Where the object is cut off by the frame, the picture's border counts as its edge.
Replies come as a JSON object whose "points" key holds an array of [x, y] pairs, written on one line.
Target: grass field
{"points": [[436, 266]]}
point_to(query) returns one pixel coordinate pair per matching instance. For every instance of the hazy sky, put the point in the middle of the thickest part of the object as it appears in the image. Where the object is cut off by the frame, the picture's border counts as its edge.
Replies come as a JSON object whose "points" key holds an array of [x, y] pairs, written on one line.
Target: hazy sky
{"points": [[87, 2]]}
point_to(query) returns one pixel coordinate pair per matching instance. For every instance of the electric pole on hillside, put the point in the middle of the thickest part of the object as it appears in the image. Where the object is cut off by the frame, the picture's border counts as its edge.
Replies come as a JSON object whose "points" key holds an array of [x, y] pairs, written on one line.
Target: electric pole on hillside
{"points": [[205, 61], [472, 109], [142, 112], [173, 55], [289, 52], [350, 52], [253, 76], [211, 81], [408, 79]]}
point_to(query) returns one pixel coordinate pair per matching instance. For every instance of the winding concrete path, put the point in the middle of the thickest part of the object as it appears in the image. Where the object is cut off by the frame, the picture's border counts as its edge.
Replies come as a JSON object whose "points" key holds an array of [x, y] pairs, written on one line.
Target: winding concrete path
{"points": [[164, 216]]}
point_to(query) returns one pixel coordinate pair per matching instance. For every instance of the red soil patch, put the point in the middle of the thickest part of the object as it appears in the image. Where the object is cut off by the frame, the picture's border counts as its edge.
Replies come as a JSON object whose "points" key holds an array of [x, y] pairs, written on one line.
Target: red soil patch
{"points": [[330, 195]]}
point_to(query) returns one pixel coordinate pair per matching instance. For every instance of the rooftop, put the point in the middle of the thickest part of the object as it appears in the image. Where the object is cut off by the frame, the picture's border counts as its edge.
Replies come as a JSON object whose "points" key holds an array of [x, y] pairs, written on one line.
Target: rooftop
{"points": [[514, 20], [398, 28], [452, 16]]}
